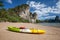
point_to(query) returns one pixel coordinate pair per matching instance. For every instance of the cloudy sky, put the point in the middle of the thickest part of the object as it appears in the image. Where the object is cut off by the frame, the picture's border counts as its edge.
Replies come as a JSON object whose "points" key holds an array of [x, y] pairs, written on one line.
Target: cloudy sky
{"points": [[45, 9]]}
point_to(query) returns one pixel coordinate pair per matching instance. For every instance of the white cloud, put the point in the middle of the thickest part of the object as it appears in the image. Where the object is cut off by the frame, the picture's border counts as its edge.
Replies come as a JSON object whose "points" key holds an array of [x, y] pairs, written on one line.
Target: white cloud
{"points": [[42, 9], [56, 9], [50, 17], [41, 13], [47, 17], [9, 1], [36, 5], [58, 4]]}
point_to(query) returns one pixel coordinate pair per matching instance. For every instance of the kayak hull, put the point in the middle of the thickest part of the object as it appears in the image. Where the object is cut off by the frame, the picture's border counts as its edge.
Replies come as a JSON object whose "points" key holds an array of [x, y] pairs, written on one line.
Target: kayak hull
{"points": [[26, 30]]}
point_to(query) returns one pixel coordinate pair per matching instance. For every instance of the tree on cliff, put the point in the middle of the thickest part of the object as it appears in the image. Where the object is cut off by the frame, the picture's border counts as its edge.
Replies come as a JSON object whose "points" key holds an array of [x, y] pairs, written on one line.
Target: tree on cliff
{"points": [[34, 15], [20, 8], [1, 4], [57, 18]]}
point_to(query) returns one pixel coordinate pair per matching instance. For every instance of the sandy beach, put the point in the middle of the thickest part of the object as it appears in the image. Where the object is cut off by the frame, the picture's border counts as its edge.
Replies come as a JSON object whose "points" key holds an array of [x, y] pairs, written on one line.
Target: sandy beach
{"points": [[52, 33]]}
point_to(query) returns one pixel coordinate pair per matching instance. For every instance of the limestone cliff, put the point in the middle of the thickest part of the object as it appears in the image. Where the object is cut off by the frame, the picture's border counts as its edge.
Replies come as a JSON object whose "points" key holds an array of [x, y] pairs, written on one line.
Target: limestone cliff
{"points": [[24, 12]]}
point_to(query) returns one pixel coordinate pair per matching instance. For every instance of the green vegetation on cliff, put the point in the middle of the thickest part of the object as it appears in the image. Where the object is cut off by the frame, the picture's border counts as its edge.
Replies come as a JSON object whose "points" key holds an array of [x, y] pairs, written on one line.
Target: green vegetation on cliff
{"points": [[11, 15]]}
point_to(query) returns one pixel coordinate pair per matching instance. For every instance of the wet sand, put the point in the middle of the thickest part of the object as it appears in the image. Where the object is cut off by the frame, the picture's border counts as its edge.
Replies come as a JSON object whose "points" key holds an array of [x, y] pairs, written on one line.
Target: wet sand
{"points": [[52, 33]]}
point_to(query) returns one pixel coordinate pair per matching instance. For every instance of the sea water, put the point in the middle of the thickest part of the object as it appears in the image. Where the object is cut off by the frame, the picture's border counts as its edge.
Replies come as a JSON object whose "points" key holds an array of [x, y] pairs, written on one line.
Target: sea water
{"points": [[50, 24]]}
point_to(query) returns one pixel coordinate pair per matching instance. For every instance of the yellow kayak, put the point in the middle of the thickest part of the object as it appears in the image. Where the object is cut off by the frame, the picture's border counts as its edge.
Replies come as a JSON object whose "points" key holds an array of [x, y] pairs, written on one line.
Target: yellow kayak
{"points": [[36, 31], [26, 30]]}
